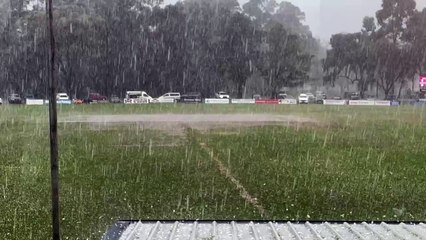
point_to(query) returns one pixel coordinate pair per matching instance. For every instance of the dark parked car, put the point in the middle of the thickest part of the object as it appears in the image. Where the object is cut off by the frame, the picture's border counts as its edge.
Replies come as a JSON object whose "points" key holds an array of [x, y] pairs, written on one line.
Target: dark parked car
{"points": [[257, 96], [352, 96], [282, 96], [114, 99], [191, 98], [15, 99], [392, 98], [96, 97], [320, 98], [29, 96]]}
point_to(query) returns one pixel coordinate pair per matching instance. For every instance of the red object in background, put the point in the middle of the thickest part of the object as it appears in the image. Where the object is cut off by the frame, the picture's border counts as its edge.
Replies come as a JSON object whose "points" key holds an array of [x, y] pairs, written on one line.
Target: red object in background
{"points": [[422, 80], [77, 101], [422, 83], [267, 101], [97, 97]]}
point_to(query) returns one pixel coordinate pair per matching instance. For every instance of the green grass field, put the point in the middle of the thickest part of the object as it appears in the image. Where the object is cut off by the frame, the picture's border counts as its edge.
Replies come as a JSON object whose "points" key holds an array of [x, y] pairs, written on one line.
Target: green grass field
{"points": [[358, 163]]}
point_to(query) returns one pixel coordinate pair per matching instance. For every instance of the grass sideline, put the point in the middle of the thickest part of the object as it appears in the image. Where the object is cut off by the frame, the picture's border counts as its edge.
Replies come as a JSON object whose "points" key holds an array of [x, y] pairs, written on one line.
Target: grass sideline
{"points": [[363, 163], [320, 111]]}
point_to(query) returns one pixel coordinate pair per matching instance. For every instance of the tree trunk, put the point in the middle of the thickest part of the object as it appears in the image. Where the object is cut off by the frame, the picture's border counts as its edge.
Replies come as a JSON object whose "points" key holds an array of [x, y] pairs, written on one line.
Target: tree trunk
{"points": [[387, 90], [363, 88], [393, 89], [240, 89], [400, 89], [377, 88]]}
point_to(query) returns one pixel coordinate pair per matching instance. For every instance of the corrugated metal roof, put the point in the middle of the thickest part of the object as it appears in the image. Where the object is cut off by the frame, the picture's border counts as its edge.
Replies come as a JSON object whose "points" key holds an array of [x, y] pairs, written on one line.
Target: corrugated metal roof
{"points": [[206, 230]]}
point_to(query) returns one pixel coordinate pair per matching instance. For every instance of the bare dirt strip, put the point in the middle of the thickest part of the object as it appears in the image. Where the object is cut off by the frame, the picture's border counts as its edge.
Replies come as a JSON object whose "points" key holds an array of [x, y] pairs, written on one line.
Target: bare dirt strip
{"points": [[195, 121]]}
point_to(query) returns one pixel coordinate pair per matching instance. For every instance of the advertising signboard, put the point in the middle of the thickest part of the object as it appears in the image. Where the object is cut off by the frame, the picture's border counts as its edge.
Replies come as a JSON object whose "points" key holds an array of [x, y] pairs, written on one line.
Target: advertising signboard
{"points": [[288, 101], [243, 101], [216, 101], [267, 101], [334, 102], [422, 83]]}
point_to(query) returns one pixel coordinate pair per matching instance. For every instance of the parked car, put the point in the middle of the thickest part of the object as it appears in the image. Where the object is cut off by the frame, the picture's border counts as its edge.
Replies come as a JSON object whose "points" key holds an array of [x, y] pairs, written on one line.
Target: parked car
{"points": [[114, 99], [303, 99], [96, 97], [355, 96], [29, 96], [282, 96], [222, 95], [191, 98], [310, 95], [137, 97], [175, 96], [306, 98], [1, 101], [257, 96], [62, 97], [15, 99], [352, 96], [391, 98], [320, 98], [290, 97]]}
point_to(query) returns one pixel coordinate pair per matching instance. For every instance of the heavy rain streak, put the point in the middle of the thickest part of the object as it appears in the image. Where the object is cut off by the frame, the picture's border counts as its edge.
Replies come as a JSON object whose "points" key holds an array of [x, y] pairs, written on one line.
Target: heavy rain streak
{"points": [[214, 110]]}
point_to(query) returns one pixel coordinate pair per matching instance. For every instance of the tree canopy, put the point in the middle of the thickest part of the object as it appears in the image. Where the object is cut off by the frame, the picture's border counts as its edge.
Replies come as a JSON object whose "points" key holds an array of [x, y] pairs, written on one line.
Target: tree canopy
{"points": [[196, 45], [388, 54]]}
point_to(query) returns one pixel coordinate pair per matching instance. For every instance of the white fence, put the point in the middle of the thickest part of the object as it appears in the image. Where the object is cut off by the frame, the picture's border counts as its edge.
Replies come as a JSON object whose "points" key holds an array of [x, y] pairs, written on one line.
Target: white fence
{"points": [[136, 101], [243, 101], [335, 102], [216, 101], [163, 101], [34, 102], [60, 102], [288, 101], [382, 103], [64, 102], [362, 102], [369, 103]]}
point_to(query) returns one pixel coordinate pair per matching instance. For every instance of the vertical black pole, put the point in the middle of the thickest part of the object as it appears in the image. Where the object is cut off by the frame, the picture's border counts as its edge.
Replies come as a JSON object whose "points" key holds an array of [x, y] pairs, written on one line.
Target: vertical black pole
{"points": [[53, 119]]}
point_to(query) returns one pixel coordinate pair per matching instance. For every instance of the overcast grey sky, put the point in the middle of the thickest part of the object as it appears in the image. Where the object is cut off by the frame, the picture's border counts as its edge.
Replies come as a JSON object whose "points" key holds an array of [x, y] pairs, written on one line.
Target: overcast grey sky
{"points": [[326, 17]]}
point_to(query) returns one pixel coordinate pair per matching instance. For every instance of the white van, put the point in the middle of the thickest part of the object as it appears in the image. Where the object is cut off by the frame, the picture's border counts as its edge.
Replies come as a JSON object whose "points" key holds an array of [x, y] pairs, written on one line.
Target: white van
{"points": [[306, 98], [170, 97], [137, 97]]}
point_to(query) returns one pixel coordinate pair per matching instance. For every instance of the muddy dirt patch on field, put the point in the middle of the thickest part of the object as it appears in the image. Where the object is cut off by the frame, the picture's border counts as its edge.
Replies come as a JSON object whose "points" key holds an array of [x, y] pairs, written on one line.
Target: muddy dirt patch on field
{"points": [[177, 123]]}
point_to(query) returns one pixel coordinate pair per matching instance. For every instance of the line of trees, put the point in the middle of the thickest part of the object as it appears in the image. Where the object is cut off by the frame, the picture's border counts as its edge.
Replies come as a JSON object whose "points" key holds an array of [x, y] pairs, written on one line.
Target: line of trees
{"points": [[389, 52], [112, 46]]}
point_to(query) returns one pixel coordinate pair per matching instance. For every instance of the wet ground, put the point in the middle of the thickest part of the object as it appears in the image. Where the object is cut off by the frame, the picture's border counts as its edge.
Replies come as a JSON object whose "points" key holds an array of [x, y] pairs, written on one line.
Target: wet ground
{"points": [[190, 120]]}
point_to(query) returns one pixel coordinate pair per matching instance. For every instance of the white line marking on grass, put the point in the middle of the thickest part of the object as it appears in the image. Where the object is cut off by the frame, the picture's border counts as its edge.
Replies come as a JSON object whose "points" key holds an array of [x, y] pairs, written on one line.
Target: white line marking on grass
{"points": [[227, 173]]}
